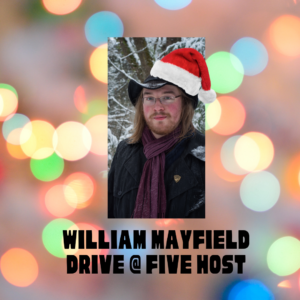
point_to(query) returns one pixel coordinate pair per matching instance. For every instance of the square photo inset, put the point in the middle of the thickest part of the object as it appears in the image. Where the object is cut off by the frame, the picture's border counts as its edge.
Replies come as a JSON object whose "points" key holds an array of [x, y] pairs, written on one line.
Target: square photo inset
{"points": [[157, 88]]}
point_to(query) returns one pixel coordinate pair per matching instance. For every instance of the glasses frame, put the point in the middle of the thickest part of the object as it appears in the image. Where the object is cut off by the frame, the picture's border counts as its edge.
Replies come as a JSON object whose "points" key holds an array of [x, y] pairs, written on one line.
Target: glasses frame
{"points": [[159, 98]]}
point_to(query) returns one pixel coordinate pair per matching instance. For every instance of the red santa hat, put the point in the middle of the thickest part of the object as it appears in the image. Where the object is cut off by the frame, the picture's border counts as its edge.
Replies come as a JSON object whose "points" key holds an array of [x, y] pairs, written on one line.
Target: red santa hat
{"points": [[187, 69]]}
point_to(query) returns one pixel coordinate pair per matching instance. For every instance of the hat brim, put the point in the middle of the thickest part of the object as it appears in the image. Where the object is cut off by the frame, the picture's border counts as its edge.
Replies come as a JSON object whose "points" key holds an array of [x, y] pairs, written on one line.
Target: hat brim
{"points": [[135, 88], [152, 83]]}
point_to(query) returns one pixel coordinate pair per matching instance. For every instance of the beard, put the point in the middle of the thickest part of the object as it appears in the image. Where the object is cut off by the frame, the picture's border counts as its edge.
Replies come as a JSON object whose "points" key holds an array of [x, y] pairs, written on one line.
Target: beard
{"points": [[161, 128]]}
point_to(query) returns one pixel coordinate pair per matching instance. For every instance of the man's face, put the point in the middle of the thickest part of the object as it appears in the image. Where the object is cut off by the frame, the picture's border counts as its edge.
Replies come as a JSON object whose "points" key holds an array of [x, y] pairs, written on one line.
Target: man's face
{"points": [[162, 119]]}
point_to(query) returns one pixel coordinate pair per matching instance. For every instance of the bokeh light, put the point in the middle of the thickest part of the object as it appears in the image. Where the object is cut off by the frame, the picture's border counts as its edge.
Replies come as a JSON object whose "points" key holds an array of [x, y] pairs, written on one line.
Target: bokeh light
{"points": [[16, 151], [168, 222], [250, 290], [283, 257], [1, 104], [47, 169], [80, 99], [246, 153], [285, 284], [2, 171], [291, 177], [212, 114], [19, 267], [81, 189], [97, 126], [53, 234], [173, 4], [12, 127], [285, 35], [221, 171], [232, 116], [252, 54], [94, 229], [228, 157], [98, 63], [72, 141], [61, 7], [8, 87], [226, 72], [36, 139], [260, 191], [8, 101], [94, 108], [102, 25], [266, 149], [56, 202]]}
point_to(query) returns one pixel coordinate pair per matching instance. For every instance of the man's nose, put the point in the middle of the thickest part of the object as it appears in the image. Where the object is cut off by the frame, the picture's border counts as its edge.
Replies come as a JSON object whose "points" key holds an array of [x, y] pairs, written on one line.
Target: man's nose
{"points": [[158, 106]]}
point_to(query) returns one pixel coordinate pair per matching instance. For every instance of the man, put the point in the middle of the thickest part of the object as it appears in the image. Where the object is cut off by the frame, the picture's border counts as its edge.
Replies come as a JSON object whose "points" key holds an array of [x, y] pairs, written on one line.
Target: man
{"points": [[159, 172]]}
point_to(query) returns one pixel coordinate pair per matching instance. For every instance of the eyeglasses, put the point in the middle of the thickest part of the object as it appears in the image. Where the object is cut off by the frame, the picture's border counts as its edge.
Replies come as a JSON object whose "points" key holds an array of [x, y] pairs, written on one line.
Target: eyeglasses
{"points": [[164, 100]]}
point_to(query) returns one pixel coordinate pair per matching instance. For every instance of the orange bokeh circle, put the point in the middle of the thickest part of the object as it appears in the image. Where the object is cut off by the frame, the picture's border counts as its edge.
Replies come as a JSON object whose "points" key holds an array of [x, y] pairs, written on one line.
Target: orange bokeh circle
{"points": [[61, 7], [232, 118], [56, 202], [284, 34], [19, 267], [291, 177]]}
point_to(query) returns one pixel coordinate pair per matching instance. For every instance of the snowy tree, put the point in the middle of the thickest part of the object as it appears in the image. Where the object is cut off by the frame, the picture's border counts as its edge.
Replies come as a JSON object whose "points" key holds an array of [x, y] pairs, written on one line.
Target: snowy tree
{"points": [[133, 58]]}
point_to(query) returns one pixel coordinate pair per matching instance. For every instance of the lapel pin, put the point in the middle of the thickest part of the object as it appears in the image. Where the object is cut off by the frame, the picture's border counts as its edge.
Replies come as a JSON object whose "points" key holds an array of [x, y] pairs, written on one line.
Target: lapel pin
{"points": [[177, 178]]}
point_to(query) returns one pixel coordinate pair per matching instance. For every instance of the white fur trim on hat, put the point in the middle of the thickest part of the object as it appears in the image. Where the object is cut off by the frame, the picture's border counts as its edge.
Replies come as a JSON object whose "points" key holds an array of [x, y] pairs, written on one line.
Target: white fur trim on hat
{"points": [[182, 78], [207, 96]]}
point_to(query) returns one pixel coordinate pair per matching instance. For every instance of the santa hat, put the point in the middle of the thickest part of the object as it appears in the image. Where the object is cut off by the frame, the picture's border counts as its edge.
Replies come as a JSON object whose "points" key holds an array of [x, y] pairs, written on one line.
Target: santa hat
{"points": [[187, 69]]}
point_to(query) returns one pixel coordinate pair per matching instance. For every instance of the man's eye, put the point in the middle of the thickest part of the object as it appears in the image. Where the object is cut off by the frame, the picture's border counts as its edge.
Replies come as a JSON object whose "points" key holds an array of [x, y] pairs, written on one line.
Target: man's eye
{"points": [[166, 98], [150, 99]]}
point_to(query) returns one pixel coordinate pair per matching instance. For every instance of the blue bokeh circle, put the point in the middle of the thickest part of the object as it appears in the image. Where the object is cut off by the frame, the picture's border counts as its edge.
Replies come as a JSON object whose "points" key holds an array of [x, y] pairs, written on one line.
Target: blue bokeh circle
{"points": [[173, 4], [102, 25], [252, 54]]}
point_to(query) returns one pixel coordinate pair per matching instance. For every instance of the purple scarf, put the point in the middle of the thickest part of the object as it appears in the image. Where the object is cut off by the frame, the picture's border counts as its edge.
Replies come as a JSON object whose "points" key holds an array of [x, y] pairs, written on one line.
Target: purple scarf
{"points": [[151, 200]]}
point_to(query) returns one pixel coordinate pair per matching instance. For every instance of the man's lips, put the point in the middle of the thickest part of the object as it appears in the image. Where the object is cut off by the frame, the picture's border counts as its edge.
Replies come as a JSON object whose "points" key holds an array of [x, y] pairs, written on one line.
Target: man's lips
{"points": [[159, 117]]}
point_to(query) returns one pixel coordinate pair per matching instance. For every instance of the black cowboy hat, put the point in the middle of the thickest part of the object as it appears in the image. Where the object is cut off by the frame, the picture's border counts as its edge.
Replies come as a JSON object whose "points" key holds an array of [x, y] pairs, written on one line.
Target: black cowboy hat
{"points": [[153, 83]]}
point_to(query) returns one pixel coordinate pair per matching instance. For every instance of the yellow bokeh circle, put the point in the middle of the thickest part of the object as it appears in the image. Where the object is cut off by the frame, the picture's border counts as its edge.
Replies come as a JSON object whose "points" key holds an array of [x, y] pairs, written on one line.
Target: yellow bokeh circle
{"points": [[213, 114], [266, 149], [8, 103], [97, 126], [98, 63], [246, 153], [72, 141], [36, 139]]}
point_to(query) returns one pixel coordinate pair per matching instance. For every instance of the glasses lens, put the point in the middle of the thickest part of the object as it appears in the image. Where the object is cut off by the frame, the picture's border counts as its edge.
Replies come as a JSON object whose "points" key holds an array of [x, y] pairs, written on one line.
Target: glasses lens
{"points": [[149, 100], [167, 99]]}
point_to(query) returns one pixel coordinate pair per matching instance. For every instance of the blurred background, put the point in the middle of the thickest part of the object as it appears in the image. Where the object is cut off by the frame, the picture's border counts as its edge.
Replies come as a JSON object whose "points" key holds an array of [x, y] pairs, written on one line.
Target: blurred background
{"points": [[53, 145]]}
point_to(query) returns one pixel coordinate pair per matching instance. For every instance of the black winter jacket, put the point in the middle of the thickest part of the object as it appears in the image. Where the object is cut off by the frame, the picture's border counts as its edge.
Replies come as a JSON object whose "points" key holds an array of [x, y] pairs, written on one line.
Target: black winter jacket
{"points": [[185, 199]]}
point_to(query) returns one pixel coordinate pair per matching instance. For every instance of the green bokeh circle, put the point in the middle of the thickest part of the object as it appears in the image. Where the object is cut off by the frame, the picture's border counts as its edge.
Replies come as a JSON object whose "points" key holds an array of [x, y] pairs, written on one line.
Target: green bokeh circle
{"points": [[8, 87], [94, 108], [226, 72], [52, 236], [47, 169], [283, 257]]}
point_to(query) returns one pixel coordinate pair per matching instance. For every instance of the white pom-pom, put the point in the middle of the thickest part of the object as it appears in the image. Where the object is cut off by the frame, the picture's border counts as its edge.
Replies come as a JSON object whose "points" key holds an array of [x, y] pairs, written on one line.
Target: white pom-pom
{"points": [[207, 96]]}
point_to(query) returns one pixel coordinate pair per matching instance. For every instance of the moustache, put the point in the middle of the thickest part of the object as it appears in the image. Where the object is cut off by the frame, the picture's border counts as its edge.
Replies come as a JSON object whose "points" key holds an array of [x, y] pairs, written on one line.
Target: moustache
{"points": [[159, 114]]}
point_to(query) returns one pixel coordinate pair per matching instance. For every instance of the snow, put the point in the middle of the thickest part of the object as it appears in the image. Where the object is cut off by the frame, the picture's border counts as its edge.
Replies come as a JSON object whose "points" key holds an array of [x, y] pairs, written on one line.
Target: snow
{"points": [[199, 152]]}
